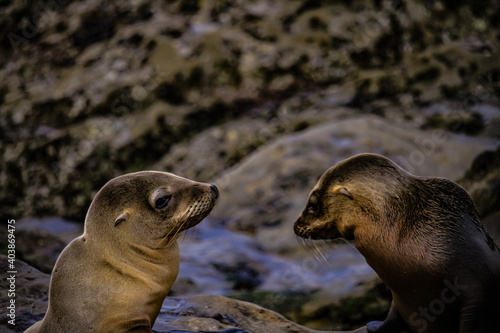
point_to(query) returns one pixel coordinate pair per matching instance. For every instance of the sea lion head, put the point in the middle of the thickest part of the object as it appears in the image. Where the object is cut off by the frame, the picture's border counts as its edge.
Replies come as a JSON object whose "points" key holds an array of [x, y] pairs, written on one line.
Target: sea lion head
{"points": [[148, 208], [351, 194]]}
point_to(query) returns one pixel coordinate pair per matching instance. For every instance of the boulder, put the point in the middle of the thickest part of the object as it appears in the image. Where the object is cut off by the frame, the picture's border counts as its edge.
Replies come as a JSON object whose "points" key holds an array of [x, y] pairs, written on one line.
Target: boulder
{"points": [[265, 193], [30, 294], [482, 180]]}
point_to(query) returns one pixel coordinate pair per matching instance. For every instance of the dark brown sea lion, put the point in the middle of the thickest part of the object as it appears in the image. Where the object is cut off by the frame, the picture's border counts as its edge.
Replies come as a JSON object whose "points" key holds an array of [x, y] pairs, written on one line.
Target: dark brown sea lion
{"points": [[423, 237], [115, 276]]}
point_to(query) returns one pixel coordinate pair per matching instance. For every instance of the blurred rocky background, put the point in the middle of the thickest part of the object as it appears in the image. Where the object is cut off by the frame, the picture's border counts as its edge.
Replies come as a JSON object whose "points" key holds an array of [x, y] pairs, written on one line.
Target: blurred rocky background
{"points": [[260, 97]]}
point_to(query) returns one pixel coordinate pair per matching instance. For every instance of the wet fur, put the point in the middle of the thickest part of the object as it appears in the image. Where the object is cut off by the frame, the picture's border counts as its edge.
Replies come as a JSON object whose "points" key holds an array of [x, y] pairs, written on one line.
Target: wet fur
{"points": [[416, 233]]}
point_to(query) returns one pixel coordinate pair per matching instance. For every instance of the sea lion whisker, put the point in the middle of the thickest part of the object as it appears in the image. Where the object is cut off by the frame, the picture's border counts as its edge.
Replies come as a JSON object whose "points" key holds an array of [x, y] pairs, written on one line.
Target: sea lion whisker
{"points": [[186, 232], [192, 211], [321, 253], [302, 242], [187, 214], [299, 240], [173, 239], [184, 235], [167, 235], [311, 247]]}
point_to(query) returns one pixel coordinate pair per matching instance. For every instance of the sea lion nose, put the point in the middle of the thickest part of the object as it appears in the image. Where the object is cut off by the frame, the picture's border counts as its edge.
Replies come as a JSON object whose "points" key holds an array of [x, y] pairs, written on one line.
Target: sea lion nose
{"points": [[215, 190]]}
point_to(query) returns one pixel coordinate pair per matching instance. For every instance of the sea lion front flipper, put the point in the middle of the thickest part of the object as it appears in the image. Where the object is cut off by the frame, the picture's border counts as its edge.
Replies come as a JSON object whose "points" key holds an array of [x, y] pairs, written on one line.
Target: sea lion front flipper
{"points": [[392, 324]]}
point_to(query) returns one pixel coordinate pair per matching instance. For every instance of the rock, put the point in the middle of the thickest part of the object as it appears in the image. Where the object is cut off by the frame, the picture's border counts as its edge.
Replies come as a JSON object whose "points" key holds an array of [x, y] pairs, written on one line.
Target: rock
{"points": [[491, 118], [216, 313], [370, 301], [266, 192], [31, 294], [213, 151], [482, 180], [40, 241]]}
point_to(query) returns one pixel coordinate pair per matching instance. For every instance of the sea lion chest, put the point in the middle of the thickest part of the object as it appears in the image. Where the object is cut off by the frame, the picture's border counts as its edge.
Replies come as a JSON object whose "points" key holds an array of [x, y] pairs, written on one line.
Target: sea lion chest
{"points": [[112, 292]]}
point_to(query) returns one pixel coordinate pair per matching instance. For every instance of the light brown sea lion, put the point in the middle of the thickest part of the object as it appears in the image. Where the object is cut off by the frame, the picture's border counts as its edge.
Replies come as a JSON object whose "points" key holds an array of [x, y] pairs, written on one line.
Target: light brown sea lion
{"points": [[115, 276], [423, 237]]}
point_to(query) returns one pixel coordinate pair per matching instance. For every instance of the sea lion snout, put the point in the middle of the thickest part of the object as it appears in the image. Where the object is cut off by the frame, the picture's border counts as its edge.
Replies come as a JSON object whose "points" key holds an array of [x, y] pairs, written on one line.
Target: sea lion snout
{"points": [[314, 229], [201, 189], [301, 230], [204, 198]]}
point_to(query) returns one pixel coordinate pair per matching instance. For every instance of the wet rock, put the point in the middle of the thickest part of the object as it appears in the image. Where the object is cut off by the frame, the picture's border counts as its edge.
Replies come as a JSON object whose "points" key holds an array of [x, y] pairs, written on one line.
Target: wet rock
{"points": [[216, 313], [368, 304], [31, 294]]}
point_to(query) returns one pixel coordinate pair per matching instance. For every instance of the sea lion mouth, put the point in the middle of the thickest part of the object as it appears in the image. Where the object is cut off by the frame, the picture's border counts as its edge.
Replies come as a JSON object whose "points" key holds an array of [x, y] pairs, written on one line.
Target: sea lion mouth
{"points": [[301, 232], [308, 232]]}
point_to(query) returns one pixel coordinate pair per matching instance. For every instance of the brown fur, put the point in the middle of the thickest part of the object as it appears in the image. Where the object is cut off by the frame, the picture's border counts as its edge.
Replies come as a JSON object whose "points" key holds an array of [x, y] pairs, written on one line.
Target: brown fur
{"points": [[115, 276], [421, 235]]}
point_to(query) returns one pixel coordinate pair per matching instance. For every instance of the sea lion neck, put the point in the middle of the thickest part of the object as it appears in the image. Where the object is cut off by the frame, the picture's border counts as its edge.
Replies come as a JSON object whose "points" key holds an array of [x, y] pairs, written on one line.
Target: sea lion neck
{"points": [[153, 255]]}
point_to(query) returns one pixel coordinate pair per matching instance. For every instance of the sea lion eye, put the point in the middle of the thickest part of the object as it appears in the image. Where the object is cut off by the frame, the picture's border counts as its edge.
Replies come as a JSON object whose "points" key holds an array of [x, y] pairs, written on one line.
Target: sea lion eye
{"points": [[313, 207], [162, 202]]}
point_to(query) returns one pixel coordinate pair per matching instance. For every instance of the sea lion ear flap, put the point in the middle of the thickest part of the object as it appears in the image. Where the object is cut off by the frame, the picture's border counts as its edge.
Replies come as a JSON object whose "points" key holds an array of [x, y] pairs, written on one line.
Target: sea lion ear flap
{"points": [[122, 218], [343, 190]]}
